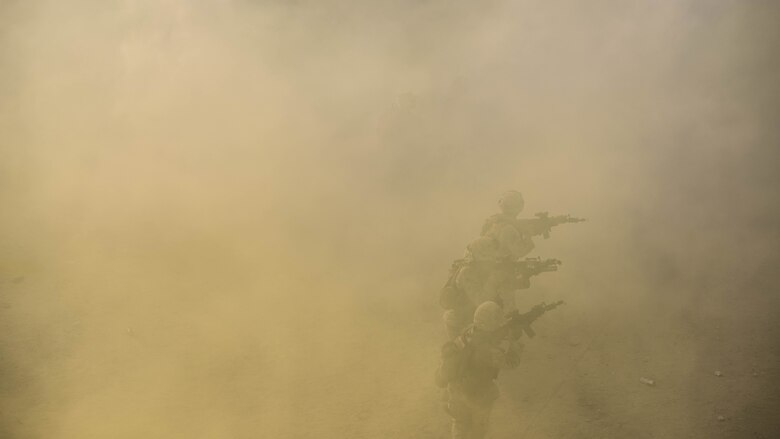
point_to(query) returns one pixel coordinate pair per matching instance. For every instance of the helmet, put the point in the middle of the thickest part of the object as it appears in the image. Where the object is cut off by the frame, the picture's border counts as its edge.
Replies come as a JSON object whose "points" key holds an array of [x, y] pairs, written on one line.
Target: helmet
{"points": [[511, 201], [488, 317]]}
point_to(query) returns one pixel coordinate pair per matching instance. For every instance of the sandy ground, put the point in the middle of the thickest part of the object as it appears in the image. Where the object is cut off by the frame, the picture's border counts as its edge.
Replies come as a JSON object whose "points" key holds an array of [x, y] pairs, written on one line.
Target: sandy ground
{"points": [[579, 377]]}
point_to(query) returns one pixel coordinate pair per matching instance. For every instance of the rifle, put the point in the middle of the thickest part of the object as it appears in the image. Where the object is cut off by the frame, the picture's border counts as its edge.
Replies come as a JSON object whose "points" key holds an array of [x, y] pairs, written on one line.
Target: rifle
{"points": [[533, 266], [521, 323], [543, 223], [527, 268]]}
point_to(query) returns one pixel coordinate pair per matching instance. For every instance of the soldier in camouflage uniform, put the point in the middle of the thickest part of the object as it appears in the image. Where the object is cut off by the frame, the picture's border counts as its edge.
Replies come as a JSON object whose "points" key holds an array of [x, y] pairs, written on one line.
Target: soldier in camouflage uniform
{"points": [[470, 366], [513, 243]]}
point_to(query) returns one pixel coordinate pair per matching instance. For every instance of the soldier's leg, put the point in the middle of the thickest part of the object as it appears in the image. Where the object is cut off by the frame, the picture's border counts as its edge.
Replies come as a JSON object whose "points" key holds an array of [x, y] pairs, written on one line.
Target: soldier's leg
{"points": [[480, 416], [461, 429], [460, 412]]}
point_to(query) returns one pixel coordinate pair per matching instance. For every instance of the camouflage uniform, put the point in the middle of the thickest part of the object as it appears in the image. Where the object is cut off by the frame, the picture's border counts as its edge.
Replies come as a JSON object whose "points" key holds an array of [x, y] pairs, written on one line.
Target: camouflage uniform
{"points": [[512, 242], [473, 390]]}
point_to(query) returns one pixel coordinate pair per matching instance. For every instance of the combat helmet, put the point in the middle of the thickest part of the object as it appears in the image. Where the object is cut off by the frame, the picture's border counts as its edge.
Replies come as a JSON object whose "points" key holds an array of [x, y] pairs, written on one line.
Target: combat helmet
{"points": [[488, 317], [511, 202]]}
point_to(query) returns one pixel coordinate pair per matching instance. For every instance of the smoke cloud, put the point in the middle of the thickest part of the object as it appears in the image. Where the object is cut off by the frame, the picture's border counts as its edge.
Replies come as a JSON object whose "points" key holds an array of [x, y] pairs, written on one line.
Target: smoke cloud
{"points": [[231, 218]]}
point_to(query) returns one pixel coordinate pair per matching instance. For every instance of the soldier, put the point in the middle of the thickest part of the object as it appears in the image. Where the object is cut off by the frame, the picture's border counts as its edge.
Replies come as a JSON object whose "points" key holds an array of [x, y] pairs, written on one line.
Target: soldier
{"points": [[470, 366], [513, 243], [471, 363], [514, 234]]}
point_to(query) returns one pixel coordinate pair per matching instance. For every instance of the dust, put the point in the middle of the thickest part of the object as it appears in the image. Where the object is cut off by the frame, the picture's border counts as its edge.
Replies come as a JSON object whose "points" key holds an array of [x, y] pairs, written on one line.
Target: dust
{"points": [[229, 219]]}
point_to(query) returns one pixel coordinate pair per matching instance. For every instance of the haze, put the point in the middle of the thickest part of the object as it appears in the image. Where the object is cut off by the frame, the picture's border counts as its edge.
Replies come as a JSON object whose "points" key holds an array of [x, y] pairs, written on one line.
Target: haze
{"points": [[231, 218]]}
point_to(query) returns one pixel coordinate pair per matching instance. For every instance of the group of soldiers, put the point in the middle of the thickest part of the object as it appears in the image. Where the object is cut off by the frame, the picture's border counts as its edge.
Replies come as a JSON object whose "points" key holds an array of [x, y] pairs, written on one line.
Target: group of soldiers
{"points": [[483, 325]]}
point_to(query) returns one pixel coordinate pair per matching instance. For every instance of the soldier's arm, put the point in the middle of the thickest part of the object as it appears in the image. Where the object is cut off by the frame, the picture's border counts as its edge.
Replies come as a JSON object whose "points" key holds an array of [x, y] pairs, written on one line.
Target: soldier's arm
{"points": [[507, 357], [530, 226], [516, 243]]}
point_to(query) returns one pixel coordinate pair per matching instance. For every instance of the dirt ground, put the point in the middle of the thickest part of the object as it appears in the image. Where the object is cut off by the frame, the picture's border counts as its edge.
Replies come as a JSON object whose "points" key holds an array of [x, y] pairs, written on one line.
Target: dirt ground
{"points": [[368, 372]]}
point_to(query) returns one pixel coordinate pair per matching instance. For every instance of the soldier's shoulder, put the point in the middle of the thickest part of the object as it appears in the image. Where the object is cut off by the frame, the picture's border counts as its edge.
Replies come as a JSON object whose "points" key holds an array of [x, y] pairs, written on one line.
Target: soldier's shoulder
{"points": [[496, 220], [496, 217]]}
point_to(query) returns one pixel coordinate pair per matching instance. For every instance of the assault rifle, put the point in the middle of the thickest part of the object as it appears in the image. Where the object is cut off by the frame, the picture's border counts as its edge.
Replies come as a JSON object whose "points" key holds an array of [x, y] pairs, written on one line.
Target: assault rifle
{"points": [[543, 223], [533, 266], [527, 268], [521, 323]]}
